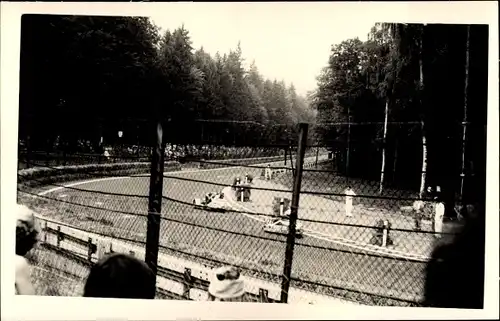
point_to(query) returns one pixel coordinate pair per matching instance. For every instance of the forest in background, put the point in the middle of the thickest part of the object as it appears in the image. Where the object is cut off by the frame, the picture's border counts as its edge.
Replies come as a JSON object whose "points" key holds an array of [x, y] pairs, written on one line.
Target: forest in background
{"points": [[92, 76], [391, 108]]}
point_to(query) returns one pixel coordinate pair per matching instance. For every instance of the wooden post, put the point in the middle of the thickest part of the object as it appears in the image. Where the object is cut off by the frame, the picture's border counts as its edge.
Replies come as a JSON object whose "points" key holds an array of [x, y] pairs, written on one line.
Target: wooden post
{"points": [[290, 243], [59, 236], [89, 249], [45, 233], [188, 280], [101, 249], [263, 296], [317, 155]]}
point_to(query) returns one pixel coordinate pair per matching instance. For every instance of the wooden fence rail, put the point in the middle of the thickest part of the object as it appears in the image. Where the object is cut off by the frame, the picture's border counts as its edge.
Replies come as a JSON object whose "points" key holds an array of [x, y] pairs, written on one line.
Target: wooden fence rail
{"points": [[85, 251]]}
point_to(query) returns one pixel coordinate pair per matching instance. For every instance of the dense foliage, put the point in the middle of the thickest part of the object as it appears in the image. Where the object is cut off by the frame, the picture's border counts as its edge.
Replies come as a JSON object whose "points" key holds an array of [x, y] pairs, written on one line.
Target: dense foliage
{"points": [[392, 104], [416, 80], [89, 77]]}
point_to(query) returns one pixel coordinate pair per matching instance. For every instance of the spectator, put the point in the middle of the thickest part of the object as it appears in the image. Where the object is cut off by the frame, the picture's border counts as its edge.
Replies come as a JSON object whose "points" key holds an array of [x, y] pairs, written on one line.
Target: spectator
{"points": [[349, 193], [26, 238], [227, 285], [418, 208], [439, 210], [268, 172], [120, 276]]}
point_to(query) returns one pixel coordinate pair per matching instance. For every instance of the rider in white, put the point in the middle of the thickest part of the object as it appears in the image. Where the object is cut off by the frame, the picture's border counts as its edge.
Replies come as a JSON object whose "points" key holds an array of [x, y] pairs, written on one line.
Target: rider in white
{"points": [[349, 193], [268, 172]]}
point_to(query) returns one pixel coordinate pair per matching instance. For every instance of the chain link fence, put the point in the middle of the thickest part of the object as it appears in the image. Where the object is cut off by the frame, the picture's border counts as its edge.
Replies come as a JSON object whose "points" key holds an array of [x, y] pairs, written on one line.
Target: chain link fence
{"points": [[362, 234]]}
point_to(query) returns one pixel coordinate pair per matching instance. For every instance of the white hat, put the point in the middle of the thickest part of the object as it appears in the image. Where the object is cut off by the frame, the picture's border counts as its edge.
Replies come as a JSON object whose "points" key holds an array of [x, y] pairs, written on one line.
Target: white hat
{"points": [[226, 283]]}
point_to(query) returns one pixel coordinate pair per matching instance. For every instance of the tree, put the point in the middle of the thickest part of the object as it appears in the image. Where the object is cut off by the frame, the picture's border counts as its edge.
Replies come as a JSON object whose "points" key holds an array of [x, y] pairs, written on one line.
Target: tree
{"points": [[63, 53], [182, 83]]}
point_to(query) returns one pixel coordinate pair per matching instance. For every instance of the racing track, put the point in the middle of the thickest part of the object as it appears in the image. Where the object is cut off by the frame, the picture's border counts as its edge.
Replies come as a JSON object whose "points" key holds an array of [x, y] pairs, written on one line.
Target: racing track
{"points": [[200, 232]]}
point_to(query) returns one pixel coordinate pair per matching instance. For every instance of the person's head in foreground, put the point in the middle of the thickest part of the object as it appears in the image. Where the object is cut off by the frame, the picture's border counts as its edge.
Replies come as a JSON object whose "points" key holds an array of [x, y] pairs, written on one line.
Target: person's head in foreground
{"points": [[26, 238], [226, 285], [26, 230], [120, 276]]}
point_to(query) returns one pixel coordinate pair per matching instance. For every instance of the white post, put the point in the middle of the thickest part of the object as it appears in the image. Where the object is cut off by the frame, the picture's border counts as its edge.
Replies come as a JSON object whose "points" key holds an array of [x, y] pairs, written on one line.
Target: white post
{"points": [[101, 248], [384, 235], [242, 194], [282, 205], [382, 170], [439, 209]]}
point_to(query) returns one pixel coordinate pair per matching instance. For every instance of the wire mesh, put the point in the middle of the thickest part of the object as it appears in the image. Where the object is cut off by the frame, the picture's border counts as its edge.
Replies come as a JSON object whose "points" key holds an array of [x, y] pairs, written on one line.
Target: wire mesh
{"points": [[228, 203]]}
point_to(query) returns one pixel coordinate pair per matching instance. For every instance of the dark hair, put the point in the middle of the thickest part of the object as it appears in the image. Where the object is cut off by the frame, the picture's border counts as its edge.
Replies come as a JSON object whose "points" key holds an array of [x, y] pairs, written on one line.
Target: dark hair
{"points": [[231, 274], [120, 276], [26, 237]]}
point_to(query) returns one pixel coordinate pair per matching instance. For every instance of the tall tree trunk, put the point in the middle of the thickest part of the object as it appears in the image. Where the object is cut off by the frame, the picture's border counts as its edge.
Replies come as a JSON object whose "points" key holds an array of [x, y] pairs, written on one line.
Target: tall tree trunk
{"points": [[423, 176], [382, 170], [464, 123]]}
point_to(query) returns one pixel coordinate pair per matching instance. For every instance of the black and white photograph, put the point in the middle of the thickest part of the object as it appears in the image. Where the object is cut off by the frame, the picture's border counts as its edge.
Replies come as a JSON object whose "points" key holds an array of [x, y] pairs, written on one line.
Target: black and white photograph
{"points": [[276, 155]]}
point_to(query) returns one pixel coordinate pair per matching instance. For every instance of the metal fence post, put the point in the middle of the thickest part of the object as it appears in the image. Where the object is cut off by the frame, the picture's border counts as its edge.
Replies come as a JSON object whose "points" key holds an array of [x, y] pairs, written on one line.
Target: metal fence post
{"points": [[155, 198], [290, 242]]}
